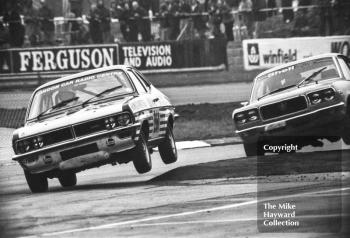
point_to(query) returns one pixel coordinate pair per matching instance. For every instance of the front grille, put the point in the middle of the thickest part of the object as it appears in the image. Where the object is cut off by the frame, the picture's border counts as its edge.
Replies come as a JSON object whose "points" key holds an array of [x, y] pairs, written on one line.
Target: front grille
{"points": [[79, 151], [43, 140], [57, 136], [283, 108], [89, 127]]}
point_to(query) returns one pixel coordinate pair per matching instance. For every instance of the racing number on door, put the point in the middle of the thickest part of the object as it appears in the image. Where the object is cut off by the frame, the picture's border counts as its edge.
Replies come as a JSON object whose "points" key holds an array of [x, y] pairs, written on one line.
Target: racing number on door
{"points": [[156, 121]]}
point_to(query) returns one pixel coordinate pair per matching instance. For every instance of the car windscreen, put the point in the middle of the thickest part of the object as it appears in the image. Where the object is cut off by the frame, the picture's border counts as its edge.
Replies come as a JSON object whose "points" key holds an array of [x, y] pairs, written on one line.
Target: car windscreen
{"points": [[294, 74], [79, 89]]}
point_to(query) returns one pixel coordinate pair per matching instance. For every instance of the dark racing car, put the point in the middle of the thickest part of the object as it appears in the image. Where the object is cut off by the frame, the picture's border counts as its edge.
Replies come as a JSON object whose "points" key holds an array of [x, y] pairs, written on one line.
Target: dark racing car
{"points": [[307, 100]]}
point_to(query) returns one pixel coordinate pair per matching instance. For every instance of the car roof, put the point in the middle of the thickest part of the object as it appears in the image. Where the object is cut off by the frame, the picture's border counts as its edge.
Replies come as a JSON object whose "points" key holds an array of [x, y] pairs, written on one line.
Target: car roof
{"points": [[297, 62], [82, 74]]}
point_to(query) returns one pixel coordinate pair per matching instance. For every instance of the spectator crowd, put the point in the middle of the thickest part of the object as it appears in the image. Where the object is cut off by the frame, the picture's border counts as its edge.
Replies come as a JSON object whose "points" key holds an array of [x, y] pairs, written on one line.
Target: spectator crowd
{"points": [[22, 24]]}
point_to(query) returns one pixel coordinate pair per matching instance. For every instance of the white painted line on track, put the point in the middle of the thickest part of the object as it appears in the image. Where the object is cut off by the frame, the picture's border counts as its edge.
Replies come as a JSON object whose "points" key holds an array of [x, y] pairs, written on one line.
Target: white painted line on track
{"points": [[232, 220], [183, 145], [154, 218]]}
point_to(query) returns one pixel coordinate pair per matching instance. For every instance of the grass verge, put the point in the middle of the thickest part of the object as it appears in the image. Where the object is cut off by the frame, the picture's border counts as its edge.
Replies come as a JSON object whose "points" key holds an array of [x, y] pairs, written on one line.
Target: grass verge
{"points": [[204, 121]]}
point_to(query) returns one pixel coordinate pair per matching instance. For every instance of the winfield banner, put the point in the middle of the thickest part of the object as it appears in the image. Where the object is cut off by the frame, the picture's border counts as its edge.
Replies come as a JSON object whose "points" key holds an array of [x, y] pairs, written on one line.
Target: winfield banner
{"points": [[57, 60], [267, 53]]}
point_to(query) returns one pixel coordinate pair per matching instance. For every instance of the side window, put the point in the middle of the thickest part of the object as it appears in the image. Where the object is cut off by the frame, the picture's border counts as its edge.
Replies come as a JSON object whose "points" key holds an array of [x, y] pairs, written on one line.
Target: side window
{"points": [[345, 65], [146, 82], [139, 87], [141, 81]]}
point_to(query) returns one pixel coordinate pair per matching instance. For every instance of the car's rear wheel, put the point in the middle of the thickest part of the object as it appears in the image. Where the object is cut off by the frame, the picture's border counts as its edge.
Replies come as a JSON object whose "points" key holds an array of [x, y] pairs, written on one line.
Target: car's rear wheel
{"points": [[252, 149], [141, 156], [68, 179], [36, 182], [167, 148]]}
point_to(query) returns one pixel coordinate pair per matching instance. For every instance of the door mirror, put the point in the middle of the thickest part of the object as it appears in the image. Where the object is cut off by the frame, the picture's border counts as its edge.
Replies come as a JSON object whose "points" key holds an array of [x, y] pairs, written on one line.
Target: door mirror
{"points": [[245, 103]]}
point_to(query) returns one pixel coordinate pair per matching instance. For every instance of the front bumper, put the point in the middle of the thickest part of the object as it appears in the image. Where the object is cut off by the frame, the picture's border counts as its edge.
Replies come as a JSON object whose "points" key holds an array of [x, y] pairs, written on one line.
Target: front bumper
{"points": [[313, 123], [80, 152]]}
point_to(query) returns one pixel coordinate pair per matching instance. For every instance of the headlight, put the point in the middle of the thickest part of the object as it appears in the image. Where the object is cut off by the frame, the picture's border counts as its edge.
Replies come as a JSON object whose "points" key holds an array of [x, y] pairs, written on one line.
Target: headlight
{"points": [[38, 142], [247, 116], [324, 95], [123, 119], [315, 98], [329, 94], [241, 118], [23, 146], [253, 115], [110, 123]]}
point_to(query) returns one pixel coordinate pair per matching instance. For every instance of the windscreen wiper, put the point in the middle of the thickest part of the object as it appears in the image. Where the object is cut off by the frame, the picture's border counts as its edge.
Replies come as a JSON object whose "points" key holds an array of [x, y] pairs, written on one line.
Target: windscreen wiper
{"points": [[313, 75], [58, 105], [100, 94], [276, 91]]}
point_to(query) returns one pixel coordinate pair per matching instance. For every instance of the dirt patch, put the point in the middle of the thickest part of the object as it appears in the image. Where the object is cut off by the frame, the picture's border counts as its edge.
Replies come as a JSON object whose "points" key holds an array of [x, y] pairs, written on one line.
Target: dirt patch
{"points": [[286, 164]]}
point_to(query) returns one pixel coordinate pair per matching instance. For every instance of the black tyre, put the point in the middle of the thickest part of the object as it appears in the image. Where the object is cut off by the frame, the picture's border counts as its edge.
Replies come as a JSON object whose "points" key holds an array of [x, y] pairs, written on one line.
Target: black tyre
{"points": [[167, 149], [36, 182], [346, 139], [346, 131], [68, 179], [252, 149], [141, 156]]}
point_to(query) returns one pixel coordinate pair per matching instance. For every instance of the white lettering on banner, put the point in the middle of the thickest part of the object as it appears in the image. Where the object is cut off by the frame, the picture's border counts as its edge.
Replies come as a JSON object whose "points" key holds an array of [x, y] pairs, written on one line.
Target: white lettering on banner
{"points": [[49, 62], [85, 60], [154, 56], [96, 58], [24, 57], [74, 65], [65, 59], [158, 61], [267, 53], [62, 62], [37, 60]]}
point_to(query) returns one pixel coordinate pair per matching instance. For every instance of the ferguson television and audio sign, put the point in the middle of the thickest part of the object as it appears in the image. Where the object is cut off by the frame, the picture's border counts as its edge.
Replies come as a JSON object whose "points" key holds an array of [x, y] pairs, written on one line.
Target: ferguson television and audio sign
{"points": [[53, 62], [267, 53]]}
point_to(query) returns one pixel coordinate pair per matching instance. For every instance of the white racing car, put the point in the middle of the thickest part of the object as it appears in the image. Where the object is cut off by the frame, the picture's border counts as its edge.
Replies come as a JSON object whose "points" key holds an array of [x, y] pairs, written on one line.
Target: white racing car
{"points": [[104, 116]]}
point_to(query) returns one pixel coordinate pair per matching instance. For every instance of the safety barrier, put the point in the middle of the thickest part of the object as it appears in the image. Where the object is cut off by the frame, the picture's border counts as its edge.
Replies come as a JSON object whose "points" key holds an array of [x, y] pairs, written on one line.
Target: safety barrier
{"points": [[12, 118]]}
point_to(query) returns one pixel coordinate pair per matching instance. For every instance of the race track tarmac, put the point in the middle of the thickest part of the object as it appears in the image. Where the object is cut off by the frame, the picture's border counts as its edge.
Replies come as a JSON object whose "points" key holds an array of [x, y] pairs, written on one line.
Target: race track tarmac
{"points": [[117, 202]]}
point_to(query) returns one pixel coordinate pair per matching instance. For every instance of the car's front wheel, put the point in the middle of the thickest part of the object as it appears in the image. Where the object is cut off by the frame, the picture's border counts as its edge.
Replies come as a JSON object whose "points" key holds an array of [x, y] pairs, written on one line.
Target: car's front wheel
{"points": [[68, 179], [141, 156], [252, 149], [167, 149], [36, 182]]}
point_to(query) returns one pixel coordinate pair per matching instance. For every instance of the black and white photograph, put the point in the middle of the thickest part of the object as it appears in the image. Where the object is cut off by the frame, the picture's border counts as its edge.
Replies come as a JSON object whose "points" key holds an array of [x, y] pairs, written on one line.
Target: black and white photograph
{"points": [[175, 118]]}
